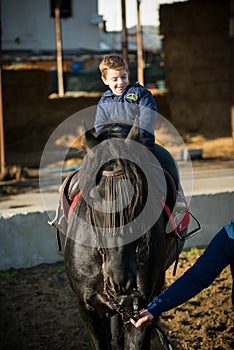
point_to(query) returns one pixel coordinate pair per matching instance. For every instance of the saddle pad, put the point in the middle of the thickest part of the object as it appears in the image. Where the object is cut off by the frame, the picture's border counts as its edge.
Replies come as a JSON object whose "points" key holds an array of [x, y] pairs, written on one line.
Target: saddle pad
{"points": [[65, 199], [73, 204]]}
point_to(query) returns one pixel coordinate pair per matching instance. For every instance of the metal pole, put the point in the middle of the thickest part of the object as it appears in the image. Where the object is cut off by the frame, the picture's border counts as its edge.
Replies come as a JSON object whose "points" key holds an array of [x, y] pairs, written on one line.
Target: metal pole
{"points": [[231, 34], [59, 48], [2, 146], [140, 60], [124, 37]]}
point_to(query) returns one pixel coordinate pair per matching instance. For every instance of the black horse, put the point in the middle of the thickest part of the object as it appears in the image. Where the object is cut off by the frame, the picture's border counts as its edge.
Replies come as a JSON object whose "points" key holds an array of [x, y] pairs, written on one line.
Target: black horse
{"points": [[116, 245]]}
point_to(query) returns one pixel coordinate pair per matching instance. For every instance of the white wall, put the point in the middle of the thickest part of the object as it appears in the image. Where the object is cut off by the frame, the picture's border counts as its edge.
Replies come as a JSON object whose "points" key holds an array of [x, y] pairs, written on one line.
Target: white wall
{"points": [[27, 240], [27, 25]]}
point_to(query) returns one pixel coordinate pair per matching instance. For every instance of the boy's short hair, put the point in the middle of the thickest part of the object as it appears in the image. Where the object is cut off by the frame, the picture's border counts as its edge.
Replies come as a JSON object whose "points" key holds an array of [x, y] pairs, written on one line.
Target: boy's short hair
{"points": [[112, 61]]}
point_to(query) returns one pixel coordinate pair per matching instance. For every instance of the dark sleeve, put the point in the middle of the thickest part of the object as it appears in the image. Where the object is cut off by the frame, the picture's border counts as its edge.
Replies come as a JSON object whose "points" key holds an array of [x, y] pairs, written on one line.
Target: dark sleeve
{"points": [[147, 100], [148, 116], [215, 258]]}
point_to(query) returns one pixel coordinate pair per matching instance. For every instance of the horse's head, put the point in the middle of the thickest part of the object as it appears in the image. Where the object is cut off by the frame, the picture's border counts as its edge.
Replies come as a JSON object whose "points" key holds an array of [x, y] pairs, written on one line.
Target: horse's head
{"points": [[117, 197], [110, 167]]}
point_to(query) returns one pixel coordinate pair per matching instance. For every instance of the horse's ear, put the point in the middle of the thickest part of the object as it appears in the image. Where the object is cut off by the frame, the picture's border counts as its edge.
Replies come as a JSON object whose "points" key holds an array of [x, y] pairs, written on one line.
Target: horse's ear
{"points": [[90, 140], [134, 133]]}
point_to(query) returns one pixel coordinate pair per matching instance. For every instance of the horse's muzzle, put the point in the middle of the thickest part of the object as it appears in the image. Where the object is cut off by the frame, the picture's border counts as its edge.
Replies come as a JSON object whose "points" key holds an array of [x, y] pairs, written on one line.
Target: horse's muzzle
{"points": [[120, 288], [127, 305]]}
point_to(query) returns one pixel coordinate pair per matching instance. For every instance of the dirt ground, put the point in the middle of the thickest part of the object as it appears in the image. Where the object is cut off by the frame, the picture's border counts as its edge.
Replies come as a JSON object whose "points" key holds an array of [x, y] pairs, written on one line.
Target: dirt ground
{"points": [[38, 311]]}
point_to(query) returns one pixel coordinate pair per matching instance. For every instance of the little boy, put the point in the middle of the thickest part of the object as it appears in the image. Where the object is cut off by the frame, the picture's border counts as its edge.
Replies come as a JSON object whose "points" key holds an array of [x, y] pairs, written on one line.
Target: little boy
{"points": [[127, 100], [124, 101]]}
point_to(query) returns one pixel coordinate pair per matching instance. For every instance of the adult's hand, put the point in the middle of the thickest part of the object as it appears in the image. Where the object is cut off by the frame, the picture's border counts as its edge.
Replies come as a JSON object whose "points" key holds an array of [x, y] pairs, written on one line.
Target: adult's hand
{"points": [[146, 319]]}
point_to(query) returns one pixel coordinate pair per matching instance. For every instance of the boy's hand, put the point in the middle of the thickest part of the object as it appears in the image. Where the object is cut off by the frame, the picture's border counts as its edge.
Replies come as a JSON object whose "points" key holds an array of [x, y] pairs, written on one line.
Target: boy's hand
{"points": [[146, 319]]}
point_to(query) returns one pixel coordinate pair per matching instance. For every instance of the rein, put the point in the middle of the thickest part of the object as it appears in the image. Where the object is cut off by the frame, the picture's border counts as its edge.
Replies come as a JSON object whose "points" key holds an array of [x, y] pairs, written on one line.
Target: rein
{"points": [[125, 314]]}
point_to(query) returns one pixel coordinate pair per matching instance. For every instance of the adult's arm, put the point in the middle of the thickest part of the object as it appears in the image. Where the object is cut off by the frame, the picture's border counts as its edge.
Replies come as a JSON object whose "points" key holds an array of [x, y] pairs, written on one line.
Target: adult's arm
{"points": [[215, 258]]}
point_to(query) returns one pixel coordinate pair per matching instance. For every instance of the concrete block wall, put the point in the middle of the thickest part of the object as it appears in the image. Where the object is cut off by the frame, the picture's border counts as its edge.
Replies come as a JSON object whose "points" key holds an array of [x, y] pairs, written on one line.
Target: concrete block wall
{"points": [[213, 211], [26, 240]]}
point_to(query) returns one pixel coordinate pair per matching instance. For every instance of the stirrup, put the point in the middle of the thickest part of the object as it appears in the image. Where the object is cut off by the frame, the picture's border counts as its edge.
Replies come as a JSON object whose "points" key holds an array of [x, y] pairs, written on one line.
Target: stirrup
{"points": [[193, 232]]}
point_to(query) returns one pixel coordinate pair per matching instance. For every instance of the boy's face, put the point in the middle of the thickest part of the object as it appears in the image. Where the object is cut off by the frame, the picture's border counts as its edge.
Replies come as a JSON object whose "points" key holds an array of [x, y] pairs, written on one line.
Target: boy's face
{"points": [[117, 80]]}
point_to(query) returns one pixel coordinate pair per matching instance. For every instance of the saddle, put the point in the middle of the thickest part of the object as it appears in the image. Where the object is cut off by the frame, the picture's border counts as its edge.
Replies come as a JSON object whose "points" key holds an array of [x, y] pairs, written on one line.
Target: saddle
{"points": [[69, 196]]}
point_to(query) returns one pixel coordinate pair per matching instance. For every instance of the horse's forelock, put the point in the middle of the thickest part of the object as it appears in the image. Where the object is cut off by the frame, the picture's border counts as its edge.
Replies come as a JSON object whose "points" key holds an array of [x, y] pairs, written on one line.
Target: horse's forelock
{"points": [[106, 184], [116, 217]]}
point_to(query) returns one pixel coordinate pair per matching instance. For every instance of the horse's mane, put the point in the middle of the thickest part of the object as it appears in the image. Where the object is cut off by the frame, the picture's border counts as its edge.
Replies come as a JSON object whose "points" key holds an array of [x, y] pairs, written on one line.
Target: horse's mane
{"points": [[114, 128]]}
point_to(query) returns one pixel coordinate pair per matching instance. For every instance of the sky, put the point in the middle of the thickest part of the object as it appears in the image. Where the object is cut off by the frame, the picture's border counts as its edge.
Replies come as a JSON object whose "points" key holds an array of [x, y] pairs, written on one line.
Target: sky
{"points": [[111, 11]]}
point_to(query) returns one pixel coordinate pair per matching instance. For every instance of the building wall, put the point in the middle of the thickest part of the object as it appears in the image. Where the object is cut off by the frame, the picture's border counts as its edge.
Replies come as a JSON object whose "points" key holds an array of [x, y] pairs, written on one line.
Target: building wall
{"points": [[30, 116], [197, 64], [28, 25]]}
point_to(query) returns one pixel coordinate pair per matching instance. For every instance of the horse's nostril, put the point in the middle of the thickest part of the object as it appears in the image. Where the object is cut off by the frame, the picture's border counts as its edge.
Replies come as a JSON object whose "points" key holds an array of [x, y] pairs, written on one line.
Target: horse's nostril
{"points": [[129, 285], [120, 287]]}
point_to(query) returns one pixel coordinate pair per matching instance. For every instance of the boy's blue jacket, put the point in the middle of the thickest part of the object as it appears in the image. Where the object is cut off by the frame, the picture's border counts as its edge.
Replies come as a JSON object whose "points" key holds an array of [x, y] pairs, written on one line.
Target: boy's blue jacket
{"points": [[218, 255], [135, 100]]}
